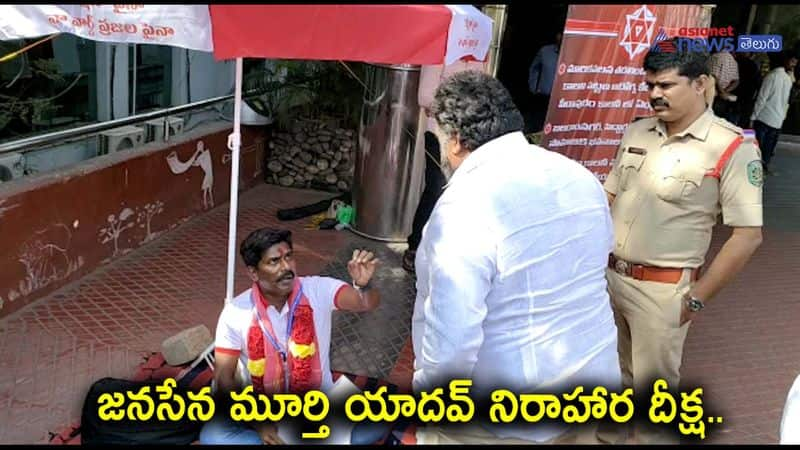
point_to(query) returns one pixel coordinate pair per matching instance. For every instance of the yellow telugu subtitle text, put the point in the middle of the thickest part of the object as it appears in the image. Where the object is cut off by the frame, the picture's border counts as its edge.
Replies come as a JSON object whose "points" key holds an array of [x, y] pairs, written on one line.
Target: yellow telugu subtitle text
{"points": [[141, 406], [456, 407]]}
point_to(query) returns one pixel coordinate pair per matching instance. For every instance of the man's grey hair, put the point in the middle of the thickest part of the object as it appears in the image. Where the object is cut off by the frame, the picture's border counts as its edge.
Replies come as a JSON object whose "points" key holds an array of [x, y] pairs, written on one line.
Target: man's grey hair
{"points": [[476, 108]]}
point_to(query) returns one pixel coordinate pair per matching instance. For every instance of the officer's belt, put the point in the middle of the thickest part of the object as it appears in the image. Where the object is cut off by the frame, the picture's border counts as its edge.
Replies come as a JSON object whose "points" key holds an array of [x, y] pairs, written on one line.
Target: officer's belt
{"points": [[648, 273]]}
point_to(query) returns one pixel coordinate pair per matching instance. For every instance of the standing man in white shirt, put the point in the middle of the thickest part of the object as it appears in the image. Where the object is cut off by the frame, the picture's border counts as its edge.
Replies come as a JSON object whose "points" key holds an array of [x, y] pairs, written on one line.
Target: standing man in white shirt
{"points": [[511, 288], [771, 107]]}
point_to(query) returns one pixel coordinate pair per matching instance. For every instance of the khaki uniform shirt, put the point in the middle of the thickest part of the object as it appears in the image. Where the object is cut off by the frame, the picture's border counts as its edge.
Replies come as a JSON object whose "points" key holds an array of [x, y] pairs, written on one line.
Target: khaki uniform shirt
{"points": [[670, 190]]}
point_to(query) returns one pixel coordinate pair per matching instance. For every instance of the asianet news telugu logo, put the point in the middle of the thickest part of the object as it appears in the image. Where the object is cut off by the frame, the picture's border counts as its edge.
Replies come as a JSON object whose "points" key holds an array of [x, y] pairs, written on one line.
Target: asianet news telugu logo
{"points": [[715, 39]]}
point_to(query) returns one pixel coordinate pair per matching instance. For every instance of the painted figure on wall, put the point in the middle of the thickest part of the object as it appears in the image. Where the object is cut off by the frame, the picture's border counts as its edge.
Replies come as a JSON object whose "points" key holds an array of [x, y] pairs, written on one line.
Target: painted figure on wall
{"points": [[202, 159]]}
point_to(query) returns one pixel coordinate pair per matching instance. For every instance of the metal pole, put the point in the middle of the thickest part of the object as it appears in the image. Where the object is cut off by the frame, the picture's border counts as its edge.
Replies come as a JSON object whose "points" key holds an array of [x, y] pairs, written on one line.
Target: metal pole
{"points": [[234, 144], [772, 14], [133, 105], [708, 12], [498, 13], [751, 18]]}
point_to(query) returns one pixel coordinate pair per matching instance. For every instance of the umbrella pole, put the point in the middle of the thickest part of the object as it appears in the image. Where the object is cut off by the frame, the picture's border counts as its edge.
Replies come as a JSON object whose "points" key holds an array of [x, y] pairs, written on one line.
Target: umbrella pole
{"points": [[234, 144]]}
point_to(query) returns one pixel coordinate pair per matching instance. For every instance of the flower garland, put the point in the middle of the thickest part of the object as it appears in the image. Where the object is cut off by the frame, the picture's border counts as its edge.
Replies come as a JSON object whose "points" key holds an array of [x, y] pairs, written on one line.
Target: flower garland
{"points": [[302, 347], [303, 356]]}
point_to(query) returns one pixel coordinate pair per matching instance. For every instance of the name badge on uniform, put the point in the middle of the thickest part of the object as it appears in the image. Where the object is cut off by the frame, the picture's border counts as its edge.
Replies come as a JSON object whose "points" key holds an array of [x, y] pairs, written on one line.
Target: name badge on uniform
{"points": [[637, 151]]}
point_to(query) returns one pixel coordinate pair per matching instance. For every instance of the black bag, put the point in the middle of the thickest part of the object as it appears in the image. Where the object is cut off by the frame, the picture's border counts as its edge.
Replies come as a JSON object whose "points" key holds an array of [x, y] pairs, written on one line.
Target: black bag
{"points": [[95, 431], [314, 208]]}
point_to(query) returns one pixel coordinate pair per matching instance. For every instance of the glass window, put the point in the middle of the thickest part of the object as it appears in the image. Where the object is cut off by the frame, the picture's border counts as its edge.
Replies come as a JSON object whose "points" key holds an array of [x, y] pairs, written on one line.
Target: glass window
{"points": [[198, 76], [68, 81], [153, 75], [51, 86]]}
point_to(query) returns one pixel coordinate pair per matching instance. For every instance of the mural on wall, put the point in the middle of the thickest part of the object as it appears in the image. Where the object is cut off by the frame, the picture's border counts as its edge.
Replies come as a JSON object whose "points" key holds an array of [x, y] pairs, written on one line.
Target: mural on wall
{"points": [[129, 218], [202, 159], [3, 209], [145, 217], [46, 260], [115, 228]]}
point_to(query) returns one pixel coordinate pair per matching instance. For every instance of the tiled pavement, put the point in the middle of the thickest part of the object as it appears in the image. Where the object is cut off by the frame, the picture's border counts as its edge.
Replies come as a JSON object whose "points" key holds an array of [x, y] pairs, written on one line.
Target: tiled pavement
{"points": [[744, 349], [104, 324]]}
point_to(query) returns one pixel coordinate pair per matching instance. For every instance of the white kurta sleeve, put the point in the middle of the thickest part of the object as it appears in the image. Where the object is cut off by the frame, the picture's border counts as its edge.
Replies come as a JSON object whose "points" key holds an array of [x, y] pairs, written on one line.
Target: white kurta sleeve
{"points": [[790, 422], [460, 261]]}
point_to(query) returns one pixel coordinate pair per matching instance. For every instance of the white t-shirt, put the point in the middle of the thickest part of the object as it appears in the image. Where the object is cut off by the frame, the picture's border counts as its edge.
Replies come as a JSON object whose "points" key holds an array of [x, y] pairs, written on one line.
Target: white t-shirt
{"points": [[237, 316], [772, 102]]}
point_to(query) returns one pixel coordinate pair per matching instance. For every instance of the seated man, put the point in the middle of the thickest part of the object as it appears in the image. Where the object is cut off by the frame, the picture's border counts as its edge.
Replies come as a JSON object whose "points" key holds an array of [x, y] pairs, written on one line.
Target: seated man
{"points": [[280, 330]]}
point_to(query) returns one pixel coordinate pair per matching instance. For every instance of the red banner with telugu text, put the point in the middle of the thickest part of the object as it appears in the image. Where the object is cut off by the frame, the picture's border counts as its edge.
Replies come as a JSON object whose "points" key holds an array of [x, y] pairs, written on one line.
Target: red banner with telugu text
{"points": [[599, 85]]}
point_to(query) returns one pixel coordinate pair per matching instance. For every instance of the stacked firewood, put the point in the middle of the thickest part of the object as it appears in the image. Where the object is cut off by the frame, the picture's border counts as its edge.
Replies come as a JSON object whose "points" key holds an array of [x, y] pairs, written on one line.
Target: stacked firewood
{"points": [[313, 155]]}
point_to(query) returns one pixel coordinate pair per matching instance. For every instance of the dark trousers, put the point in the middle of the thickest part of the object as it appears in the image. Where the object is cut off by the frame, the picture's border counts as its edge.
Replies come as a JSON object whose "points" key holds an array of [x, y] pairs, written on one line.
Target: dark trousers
{"points": [[726, 110], [767, 140], [745, 111], [434, 183], [539, 112]]}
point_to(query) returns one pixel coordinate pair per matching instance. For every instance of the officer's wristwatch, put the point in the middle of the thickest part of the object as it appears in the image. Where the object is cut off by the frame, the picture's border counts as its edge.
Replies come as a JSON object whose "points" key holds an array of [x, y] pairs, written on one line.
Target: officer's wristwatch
{"points": [[694, 304]]}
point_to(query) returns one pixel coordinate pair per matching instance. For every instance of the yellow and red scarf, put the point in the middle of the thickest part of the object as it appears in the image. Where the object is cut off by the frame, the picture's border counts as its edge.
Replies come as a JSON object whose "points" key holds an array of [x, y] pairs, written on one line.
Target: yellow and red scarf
{"points": [[271, 356]]}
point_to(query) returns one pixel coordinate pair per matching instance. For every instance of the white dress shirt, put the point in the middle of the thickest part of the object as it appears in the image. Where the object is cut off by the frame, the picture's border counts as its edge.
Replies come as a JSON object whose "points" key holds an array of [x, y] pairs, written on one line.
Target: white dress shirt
{"points": [[511, 288], [790, 422], [772, 102]]}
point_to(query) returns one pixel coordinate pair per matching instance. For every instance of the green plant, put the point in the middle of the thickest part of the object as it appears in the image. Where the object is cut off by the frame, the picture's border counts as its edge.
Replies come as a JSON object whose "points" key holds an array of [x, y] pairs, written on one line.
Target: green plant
{"points": [[535, 138], [312, 89], [341, 91], [32, 98], [47, 68], [286, 91]]}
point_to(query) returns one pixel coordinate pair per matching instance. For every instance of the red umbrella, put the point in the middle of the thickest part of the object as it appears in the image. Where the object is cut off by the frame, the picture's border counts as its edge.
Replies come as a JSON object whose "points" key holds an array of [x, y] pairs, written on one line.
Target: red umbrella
{"points": [[391, 34]]}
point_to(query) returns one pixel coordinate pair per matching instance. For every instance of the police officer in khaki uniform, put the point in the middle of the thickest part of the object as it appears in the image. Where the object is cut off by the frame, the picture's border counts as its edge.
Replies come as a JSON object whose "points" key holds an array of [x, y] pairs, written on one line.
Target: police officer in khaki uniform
{"points": [[673, 175]]}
